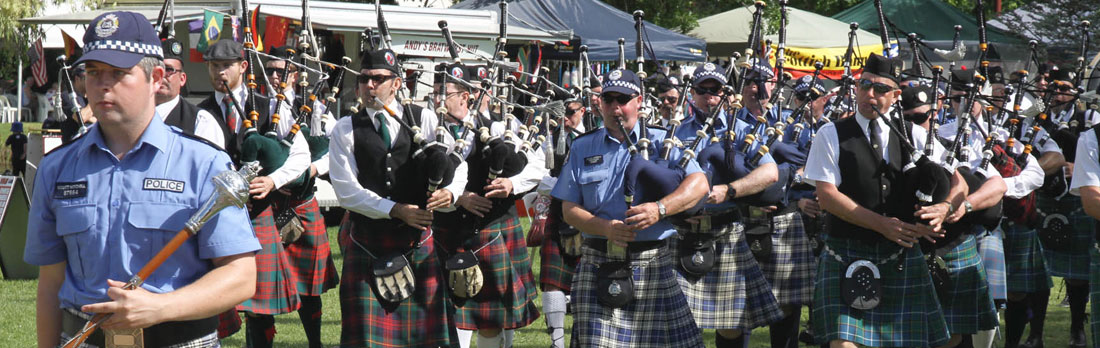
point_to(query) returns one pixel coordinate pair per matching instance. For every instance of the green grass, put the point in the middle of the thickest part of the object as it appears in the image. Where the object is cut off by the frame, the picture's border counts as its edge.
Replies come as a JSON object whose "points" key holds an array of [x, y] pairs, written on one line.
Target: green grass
{"points": [[18, 328]]}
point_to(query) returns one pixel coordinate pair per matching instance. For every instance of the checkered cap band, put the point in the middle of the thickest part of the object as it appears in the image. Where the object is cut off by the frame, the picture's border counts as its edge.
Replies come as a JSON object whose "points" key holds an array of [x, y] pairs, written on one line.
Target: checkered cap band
{"points": [[704, 74], [126, 46], [622, 83]]}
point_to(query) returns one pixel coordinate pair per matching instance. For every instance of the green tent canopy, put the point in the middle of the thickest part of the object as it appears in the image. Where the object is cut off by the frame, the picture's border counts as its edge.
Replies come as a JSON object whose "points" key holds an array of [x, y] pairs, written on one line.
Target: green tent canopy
{"points": [[932, 20], [728, 31]]}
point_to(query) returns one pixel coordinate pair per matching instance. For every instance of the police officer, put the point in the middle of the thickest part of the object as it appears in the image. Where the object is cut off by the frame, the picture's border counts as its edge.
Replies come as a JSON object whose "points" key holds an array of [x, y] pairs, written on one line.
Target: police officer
{"points": [[90, 229], [1086, 183], [388, 217], [591, 191], [177, 111], [669, 95], [731, 297], [276, 293], [855, 163]]}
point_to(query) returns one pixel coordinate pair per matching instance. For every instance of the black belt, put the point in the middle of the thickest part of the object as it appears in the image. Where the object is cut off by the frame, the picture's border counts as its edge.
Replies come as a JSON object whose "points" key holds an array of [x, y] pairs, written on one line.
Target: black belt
{"points": [[631, 247], [160, 335]]}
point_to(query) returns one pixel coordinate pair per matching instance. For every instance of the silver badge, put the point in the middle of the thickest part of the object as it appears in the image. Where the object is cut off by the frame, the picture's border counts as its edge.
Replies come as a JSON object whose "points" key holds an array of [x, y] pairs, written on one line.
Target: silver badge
{"points": [[614, 289], [697, 259], [107, 26], [709, 67], [922, 97], [177, 48], [615, 75]]}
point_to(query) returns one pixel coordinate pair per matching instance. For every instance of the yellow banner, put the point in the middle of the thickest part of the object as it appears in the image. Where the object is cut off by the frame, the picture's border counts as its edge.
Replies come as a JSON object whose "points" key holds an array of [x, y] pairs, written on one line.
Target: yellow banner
{"points": [[802, 60]]}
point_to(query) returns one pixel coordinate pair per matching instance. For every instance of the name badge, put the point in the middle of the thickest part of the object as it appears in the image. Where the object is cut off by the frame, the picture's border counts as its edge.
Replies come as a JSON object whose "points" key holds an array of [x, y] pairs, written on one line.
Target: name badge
{"points": [[162, 185], [593, 160], [67, 190]]}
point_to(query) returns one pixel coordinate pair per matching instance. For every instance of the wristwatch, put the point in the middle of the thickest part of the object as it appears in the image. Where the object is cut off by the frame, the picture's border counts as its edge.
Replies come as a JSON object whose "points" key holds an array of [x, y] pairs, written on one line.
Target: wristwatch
{"points": [[969, 208], [661, 210], [731, 192]]}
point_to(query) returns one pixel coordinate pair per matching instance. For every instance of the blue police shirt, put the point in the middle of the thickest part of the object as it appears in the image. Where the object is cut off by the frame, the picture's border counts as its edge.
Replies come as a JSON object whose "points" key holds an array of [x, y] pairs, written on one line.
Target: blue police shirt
{"points": [[107, 217], [593, 178]]}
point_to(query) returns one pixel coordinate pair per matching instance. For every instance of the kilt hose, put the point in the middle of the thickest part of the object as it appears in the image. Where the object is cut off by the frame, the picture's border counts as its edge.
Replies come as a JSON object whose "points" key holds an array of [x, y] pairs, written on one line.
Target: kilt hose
{"points": [[734, 294], [276, 283], [1094, 293], [1072, 263], [426, 319], [1025, 268], [908, 315], [557, 269], [991, 249], [790, 267], [310, 255], [968, 307], [504, 301], [658, 317]]}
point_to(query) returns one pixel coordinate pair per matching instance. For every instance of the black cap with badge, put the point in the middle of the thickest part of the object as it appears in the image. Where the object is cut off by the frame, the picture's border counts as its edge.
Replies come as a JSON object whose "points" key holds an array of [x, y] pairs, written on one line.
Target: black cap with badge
{"points": [[172, 49], [916, 96], [885, 67], [379, 59], [120, 39], [622, 81]]}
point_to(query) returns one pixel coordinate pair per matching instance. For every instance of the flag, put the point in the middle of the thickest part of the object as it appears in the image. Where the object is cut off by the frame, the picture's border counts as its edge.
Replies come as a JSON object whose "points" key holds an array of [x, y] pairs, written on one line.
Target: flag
{"points": [[256, 31], [235, 22], [194, 31], [72, 47], [211, 29], [275, 30], [38, 62]]}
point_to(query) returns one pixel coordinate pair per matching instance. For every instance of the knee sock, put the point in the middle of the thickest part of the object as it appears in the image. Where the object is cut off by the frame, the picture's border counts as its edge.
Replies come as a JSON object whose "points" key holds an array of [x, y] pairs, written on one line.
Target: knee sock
{"points": [[984, 339], [464, 337], [508, 336], [1015, 320], [261, 330], [310, 315], [1039, 302], [553, 304], [490, 342], [1078, 297], [723, 342], [784, 333]]}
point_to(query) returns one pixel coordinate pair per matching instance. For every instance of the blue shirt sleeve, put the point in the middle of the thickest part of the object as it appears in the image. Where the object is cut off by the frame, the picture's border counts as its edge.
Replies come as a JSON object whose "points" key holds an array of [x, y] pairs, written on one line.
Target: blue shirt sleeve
{"points": [[230, 231], [567, 189], [44, 246]]}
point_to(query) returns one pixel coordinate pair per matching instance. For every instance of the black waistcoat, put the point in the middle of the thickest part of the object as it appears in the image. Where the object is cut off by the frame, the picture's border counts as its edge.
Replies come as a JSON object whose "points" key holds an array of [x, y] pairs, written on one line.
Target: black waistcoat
{"points": [[233, 140], [867, 179], [183, 116], [392, 174]]}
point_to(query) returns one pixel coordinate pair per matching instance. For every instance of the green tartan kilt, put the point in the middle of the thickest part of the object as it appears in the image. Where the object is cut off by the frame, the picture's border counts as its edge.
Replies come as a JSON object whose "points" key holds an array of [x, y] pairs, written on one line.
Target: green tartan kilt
{"points": [[1072, 263], [557, 269], [311, 255], [276, 283], [968, 307], [504, 301], [908, 315], [1094, 293], [1025, 268]]}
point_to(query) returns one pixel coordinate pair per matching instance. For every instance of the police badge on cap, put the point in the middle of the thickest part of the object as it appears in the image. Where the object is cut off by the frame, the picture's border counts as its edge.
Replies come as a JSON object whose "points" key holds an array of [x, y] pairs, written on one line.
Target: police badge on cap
{"points": [[120, 39]]}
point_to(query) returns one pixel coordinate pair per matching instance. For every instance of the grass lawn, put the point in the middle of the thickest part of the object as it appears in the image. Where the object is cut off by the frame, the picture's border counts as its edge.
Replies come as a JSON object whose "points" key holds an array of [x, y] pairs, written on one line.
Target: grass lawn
{"points": [[18, 328]]}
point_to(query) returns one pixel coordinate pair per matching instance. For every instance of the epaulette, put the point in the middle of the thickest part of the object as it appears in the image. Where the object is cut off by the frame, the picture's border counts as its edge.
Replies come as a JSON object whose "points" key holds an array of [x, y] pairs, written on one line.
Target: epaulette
{"points": [[64, 145], [587, 133], [198, 138], [654, 126]]}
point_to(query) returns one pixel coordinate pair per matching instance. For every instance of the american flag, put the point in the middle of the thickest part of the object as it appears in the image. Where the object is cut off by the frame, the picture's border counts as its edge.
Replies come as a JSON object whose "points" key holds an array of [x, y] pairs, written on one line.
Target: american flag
{"points": [[38, 63]]}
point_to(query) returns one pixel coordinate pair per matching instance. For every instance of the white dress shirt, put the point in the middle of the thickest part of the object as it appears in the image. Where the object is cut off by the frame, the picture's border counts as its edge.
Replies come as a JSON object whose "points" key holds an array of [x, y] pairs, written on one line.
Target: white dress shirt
{"points": [[321, 124], [1086, 168], [973, 149], [298, 161], [206, 126], [822, 164]]}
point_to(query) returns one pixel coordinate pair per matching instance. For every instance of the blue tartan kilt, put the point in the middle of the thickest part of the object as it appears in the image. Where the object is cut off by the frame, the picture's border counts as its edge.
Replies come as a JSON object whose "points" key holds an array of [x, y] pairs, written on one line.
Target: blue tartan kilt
{"points": [[1094, 293], [1072, 263], [735, 294], [909, 315], [1025, 268], [658, 318], [790, 267], [968, 307], [992, 250]]}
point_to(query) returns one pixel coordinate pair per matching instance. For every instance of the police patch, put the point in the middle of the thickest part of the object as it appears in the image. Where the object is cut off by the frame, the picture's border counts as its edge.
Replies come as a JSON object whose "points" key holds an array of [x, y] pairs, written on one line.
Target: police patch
{"points": [[106, 26], [151, 184], [593, 160], [709, 67], [67, 190], [615, 75]]}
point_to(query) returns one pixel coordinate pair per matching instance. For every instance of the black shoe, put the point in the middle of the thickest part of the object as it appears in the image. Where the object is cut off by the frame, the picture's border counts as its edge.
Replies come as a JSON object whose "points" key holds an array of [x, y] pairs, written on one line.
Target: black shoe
{"points": [[1077, 339], [806, 337], [1032, 342]]}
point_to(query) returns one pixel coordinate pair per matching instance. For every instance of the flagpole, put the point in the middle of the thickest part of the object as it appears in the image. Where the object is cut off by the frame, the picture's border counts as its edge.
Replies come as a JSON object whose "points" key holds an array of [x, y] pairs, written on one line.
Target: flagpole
{"points": [[20, 88]]}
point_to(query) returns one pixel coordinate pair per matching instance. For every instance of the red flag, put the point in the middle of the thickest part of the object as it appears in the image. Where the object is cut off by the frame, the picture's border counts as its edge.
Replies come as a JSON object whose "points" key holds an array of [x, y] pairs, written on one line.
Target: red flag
{"points": [[72, 47], [255, 30], [38, 63], [275, 31]]}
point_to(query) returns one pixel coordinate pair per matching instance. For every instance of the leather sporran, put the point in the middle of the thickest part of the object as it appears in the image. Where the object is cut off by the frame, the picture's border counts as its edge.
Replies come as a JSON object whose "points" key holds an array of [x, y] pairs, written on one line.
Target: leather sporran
{"points": [[861, 287], [615, 284], [393, 278], [1055, 232], [289, 225], [464, 275], [696, 254], [941, 278]]}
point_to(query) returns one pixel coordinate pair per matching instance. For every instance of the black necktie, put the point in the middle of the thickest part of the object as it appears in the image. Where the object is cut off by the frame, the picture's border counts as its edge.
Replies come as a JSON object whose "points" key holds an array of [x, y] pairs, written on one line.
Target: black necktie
{"points": [[873, 130]]}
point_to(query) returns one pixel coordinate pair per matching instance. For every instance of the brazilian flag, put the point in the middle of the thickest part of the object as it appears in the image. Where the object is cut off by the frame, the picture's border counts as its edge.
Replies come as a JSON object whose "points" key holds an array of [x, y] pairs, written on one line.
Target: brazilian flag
{"points": [[211, 29]]}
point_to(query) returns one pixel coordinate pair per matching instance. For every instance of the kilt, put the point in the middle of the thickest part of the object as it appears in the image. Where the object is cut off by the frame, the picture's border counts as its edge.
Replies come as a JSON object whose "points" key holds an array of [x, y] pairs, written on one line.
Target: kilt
{"points": [[735, 294], [423, 320], [276, 289], [909, 314], [229, 322], [790, 267], [992, 250], [968, 307], [208, 341], [521, 260], [504, 301], [310, 256], [1074, 262], [1094, 293], [556, 269], [658, 318], [1025, 269]]}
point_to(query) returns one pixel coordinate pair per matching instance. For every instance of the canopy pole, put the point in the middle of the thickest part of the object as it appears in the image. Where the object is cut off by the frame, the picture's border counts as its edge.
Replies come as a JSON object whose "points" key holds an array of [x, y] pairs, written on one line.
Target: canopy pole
{"points": [[19, 87]]}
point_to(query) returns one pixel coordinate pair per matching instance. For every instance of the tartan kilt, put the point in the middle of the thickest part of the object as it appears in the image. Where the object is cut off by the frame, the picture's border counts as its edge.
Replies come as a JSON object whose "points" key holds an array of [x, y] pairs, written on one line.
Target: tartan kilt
{"points": [[229, 322], [735, 294], [968, 307], [310, 255], [790, 267], [276, 289], [991, 249], [658, 318], [1025, 268], [425, 319], [1094, 293], [504, 301], [1074, 262], [908, 315], [208, 341], [556, 269]]}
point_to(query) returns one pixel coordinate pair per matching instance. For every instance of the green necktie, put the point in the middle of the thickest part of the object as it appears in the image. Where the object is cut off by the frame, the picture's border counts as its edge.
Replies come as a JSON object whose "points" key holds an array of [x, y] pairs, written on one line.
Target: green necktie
{"points": [[456, 131], [383, 129]]}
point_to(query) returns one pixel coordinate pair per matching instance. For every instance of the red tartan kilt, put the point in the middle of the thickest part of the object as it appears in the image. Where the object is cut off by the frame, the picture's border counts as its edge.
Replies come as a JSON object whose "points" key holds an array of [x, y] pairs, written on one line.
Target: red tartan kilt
{"points": [[310, 256], [276, 289], [556, 269], [229, 322]]}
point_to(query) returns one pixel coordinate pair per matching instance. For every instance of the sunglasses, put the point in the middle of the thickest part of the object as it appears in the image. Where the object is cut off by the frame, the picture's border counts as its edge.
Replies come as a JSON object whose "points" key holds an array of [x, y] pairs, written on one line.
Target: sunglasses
{"points": [[707, 91], [570, 111], [1063, 88], [880, 88], [670, 100], [279, 72], [622, 99], [376, 78], [168, 71]]}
